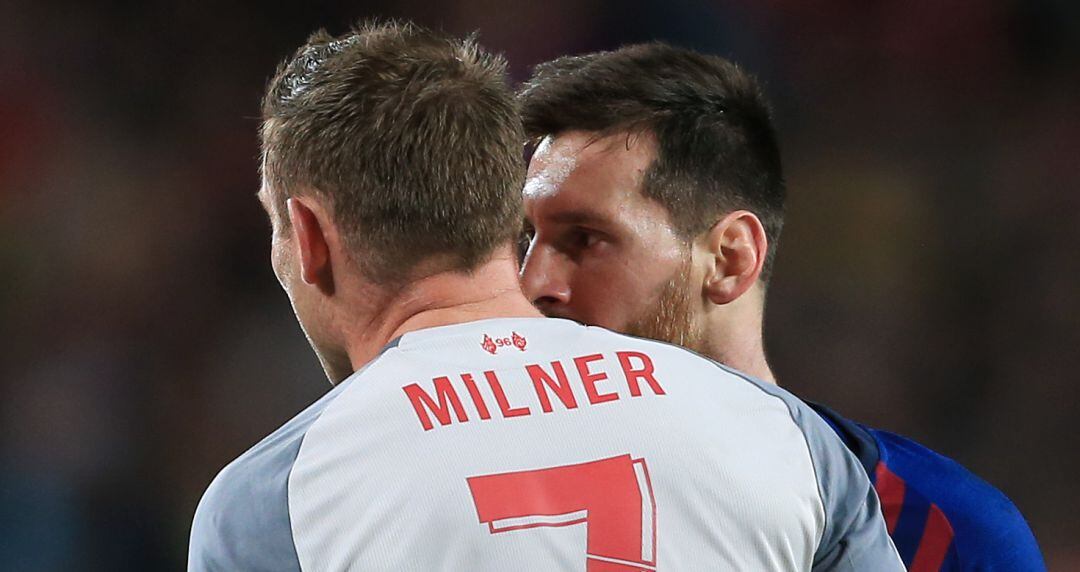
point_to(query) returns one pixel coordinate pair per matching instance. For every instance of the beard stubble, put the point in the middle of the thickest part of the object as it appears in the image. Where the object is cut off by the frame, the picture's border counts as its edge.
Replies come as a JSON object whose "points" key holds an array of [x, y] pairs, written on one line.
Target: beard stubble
{"points": [[671, 318]]}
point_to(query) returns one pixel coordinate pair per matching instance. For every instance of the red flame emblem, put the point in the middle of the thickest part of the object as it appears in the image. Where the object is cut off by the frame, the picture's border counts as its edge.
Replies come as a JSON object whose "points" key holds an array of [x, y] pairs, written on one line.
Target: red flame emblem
{"points": [[519, 341], [489, 345]]}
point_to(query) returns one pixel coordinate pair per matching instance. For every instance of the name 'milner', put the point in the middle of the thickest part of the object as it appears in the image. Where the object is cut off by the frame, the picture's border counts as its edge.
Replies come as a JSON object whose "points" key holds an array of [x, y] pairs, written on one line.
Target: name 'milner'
{"points": [[552, 388]]}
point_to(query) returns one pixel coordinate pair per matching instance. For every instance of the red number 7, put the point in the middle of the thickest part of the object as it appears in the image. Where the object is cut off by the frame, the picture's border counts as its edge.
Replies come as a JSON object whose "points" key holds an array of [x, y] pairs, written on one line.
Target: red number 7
{"points": [[612, 497]]}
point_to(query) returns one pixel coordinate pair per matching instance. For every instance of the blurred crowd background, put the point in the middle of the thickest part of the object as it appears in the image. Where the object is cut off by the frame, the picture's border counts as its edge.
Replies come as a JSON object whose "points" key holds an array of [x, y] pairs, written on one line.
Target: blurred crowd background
{"points": [[927, 281]]}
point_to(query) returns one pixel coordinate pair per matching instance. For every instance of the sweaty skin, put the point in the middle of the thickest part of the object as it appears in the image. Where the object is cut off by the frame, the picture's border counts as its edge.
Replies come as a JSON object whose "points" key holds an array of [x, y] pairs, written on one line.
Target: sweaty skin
{"points": [[590, 220], [603, 253]]}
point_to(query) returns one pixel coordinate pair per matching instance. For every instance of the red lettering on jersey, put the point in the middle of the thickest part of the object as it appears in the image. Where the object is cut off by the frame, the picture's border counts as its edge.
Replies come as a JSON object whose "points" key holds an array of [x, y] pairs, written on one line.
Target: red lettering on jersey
{"points": [[474, 393], [589, 379], [500, 397], [444, 403], [559, 384], [634, 375], [422, 403]]}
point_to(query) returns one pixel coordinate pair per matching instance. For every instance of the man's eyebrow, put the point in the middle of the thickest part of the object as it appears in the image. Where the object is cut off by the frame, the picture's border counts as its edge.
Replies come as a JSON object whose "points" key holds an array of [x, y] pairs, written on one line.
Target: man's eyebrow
{"points": [[578, 217]]}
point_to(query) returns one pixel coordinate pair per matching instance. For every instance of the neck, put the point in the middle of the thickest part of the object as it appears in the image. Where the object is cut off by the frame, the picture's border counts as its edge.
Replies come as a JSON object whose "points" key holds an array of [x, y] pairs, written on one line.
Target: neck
{"points": [[735, 336], [746, 355], [442, 299]]}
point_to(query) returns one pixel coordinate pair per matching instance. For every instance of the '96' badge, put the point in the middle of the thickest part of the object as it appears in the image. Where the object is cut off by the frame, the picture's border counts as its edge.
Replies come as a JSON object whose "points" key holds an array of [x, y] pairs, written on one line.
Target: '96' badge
{"points": [[493, 345]]}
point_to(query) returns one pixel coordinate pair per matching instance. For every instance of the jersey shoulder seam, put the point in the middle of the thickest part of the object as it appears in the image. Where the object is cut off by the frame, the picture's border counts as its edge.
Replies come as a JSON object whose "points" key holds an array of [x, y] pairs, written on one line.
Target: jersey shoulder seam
{"points": [[351, 380]]}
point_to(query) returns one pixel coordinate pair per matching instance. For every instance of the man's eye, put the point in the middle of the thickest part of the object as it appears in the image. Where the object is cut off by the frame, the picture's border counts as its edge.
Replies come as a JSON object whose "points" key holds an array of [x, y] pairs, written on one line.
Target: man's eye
{"points": [[582, 239], [524, 240]]}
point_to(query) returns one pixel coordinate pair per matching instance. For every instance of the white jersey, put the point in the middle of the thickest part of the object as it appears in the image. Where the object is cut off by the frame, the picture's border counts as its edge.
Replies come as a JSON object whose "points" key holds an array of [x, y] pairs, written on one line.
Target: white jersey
{"points": [[541, 445]]}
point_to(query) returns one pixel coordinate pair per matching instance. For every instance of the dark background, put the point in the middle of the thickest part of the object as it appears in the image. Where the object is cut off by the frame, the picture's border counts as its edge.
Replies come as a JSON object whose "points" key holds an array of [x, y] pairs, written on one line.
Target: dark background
{"points": [[927, 280]]}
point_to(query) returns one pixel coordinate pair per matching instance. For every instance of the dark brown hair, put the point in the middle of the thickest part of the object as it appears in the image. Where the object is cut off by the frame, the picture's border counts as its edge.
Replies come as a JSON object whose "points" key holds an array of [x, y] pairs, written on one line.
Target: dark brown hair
{"points": [[413, 137], [717, 148]]}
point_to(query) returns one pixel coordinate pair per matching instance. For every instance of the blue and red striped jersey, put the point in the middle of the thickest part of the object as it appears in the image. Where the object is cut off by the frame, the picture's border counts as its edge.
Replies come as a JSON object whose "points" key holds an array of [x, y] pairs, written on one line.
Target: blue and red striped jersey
{"points": [[940, 516]]}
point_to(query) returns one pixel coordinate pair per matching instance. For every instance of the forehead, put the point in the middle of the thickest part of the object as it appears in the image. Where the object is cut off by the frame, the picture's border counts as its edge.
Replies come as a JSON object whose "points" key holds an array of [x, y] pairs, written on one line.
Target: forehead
{"points": [[581, 170]]}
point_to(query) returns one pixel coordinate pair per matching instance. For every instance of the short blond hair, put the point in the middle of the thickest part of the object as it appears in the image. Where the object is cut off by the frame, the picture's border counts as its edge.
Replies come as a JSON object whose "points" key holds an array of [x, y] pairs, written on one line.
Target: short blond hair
{"points": [[413, 136]]}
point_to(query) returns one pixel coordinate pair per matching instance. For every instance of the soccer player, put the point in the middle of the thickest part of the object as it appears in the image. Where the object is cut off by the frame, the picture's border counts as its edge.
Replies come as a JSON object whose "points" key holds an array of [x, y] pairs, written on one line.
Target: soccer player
{"points": [[464, 430], [655, 199]]}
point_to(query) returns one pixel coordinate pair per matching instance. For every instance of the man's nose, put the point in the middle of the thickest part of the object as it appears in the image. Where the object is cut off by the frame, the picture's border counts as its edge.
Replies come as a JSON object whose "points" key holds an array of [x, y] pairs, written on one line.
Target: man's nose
{"points": [[545, 278]]}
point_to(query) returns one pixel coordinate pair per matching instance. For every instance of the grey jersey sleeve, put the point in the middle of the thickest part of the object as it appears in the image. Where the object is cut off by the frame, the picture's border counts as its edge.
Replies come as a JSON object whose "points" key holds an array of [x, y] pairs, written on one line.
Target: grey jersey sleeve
{"points": [[855, 537], [242, 522]]}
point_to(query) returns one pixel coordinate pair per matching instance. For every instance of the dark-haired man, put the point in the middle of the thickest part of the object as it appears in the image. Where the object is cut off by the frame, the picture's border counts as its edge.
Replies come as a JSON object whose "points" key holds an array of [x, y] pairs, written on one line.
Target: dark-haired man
{"points": [[654, 201], [465, 431]]}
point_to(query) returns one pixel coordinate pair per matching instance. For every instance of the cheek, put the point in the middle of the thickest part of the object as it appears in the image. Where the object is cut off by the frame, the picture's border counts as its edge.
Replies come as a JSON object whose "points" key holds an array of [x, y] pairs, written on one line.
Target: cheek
{"points": [[614, 293]]}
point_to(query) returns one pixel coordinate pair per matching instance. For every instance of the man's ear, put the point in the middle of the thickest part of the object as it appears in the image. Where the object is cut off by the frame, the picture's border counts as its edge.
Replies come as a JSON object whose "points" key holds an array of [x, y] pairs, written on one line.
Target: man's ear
{"points": [[310, 227], [737, 246]]}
